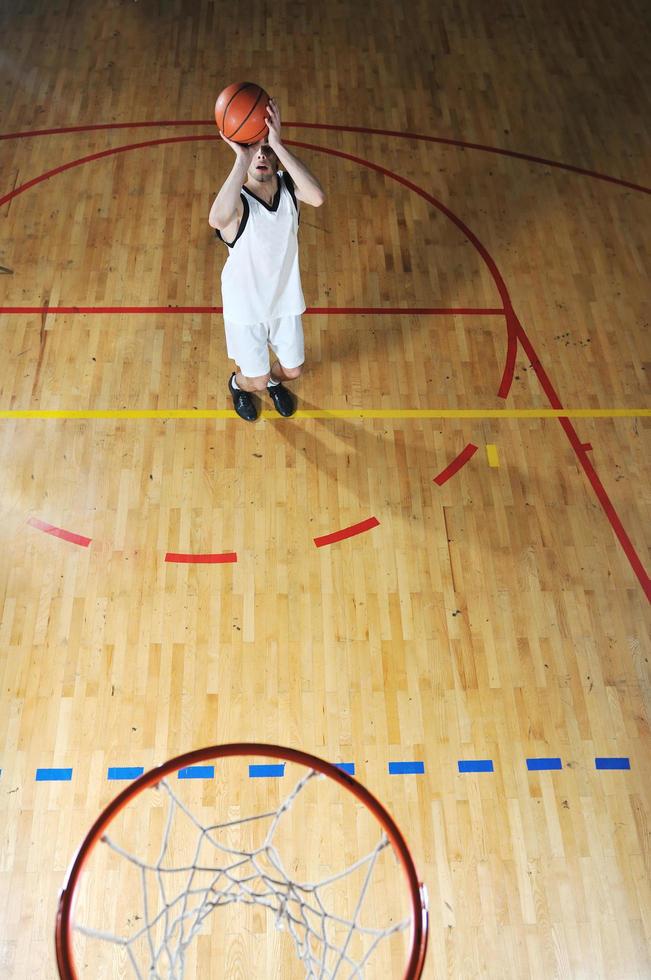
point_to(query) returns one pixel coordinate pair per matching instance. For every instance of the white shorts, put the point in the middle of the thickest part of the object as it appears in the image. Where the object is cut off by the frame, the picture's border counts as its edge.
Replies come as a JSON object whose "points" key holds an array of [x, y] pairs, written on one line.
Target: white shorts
{"points": [[249, 345]]}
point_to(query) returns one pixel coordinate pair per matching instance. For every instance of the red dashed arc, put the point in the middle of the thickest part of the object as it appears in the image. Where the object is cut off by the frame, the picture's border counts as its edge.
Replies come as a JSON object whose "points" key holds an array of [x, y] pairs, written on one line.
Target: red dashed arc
{"points": [[226, 557], [456, 464], [60, 532], [347, 532]]}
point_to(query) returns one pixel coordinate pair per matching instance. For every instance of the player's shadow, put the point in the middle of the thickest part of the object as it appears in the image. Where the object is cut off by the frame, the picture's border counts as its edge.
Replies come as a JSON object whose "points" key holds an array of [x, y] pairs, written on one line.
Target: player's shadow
{"points": [[363, 338], [356, 338], [396, 356], [354, 460]]}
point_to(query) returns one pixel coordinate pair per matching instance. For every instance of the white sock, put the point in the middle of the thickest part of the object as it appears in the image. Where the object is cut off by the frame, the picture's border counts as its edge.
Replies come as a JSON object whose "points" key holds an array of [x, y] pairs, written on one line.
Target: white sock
{"points": [[235, 384], [271, 383]]}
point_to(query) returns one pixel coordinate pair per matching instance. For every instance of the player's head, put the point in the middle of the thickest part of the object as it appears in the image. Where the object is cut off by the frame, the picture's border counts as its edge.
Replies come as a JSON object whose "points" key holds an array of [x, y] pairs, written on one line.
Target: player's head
{"points": [[264, 163]]}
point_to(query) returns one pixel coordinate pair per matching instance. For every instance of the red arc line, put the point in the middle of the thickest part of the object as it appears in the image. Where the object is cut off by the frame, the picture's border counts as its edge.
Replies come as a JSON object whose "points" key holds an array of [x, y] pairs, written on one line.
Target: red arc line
{"points": [[456, 464], [513, 324], [189, 559], [421, 137], [59, 532], [515, 331], [97, 156], [347, 532]]}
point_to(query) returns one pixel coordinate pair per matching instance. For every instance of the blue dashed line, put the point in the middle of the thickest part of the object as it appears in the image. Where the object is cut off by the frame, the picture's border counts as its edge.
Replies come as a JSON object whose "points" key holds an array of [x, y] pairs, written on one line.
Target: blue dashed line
{"points": [[261, 771], [53, 775], [197, 772], [476, 765], [348, 767], [406, 768], [124, 772], [47, 774]]}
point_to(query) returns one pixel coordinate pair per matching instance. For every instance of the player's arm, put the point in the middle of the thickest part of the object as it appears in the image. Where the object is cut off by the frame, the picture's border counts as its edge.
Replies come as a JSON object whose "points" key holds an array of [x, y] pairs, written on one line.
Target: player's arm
{"points": [[306, 186], [226, 211]]}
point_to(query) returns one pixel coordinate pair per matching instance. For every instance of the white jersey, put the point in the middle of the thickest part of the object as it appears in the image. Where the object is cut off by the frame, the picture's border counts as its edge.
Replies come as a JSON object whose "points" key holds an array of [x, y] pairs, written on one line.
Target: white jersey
{"points": [[261, 280]]}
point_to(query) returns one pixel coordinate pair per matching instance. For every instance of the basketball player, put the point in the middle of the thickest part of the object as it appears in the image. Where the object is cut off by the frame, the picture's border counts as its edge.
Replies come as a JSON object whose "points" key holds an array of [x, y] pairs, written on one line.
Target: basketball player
{"points": [[256, 215]]}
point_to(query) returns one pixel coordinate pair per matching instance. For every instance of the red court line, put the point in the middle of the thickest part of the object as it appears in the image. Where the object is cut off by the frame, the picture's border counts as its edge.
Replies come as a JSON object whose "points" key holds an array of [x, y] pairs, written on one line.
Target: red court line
{"points": [[224, 558], [456, 464], [500, 285], [513, 324], [59, 532], [434, 202], [314, 310], [110, 309], [444, 141], [328, 127], [410, 310], [101, 126], [347, 532], [588, 468], [609, 510], [515, 329], [98, 156]]}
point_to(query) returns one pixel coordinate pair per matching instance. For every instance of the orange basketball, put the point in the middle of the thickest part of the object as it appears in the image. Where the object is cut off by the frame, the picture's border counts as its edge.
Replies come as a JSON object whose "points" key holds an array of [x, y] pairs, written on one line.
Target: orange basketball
{"points": [[241, 112]]}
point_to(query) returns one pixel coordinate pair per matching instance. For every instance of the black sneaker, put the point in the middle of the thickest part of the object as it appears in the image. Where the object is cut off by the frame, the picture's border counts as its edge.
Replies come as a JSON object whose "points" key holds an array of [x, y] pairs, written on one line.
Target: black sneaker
{"points": [[242, 402], [283, 401]]}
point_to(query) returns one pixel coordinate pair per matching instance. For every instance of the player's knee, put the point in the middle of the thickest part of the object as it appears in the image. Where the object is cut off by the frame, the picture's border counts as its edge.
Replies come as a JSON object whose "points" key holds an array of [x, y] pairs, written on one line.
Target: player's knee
{"points": [[292, 373]]}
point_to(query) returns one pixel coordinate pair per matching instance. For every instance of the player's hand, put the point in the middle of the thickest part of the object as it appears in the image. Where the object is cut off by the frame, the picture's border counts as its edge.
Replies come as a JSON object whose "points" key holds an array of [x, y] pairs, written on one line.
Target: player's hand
{"points": [[273, 122], [241, 150]]}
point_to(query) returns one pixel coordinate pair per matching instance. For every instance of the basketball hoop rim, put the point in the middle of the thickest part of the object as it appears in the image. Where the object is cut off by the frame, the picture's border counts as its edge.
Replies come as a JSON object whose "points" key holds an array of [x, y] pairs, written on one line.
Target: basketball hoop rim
{"points": [[417, 890]]}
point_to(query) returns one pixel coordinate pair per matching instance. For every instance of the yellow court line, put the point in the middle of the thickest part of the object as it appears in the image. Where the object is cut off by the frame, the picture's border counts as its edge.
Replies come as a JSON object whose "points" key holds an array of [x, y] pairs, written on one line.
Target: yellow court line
{"points": [[333, 413]]}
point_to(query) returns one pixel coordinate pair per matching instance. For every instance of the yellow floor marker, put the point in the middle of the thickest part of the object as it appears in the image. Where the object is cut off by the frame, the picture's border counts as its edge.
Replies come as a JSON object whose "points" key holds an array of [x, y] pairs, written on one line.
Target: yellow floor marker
{"points": [[491, 453]]}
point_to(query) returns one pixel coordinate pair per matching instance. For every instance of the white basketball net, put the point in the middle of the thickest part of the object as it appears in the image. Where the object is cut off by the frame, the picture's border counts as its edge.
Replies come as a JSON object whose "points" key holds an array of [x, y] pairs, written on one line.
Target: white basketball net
{"points": [[174, 911]]}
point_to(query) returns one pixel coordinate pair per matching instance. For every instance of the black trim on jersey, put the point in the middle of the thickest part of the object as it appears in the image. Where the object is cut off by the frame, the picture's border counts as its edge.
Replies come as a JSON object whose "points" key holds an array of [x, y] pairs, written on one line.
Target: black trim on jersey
{"points": [[274, 204], [291, 187], [242, 225]]}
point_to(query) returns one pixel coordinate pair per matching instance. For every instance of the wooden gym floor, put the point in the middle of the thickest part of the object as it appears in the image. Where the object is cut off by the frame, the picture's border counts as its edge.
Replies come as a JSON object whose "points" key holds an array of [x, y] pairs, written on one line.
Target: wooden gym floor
{"points": [[465, 289]]}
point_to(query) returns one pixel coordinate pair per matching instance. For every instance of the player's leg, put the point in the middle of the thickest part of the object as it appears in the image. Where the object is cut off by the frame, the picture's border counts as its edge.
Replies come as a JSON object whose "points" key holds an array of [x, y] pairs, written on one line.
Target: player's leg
{"points": [[245, 383], [247, 346], [287, 343]]}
